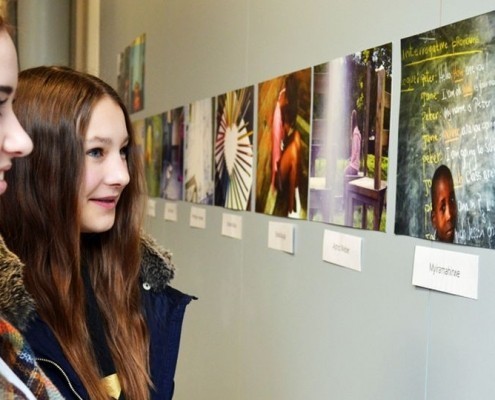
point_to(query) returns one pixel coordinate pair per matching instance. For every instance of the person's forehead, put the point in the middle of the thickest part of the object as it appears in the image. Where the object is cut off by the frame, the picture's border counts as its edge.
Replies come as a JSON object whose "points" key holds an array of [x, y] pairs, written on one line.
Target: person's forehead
{"points": [[443, 190], [8, 60], [445, 182]]}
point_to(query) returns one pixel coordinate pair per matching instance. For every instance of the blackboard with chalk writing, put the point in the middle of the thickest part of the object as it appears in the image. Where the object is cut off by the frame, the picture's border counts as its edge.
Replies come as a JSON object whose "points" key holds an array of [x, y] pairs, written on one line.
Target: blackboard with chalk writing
{"points": [[447, 116]]}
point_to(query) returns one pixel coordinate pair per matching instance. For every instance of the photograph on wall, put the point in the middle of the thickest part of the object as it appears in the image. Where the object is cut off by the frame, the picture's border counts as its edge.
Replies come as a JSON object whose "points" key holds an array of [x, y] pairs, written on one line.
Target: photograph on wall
{"points": [[123, 77], [130, 77], [153, 153], [136, 73], [349, 140], [139, 128], [172, 179], [284, 106], [198, 153], [446, 168], [234, 149]]}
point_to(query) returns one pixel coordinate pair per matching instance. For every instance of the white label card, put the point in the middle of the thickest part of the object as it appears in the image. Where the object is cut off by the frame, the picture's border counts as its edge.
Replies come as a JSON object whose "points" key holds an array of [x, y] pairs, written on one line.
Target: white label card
{"points": [[170, 211], [151, 210], [341, 249], [197, 218], [232, 226], [446, 271], [281, 236]]}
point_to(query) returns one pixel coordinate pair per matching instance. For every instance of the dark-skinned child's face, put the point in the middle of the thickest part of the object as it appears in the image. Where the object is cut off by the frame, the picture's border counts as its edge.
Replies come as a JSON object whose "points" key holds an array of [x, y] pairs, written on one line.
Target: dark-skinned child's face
{"points": [[444, 210]]}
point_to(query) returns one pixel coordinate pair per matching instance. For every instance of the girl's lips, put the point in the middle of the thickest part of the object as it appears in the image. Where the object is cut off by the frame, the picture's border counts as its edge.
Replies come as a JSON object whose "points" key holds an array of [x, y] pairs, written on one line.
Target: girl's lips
{"points": [[3, 184], [105, 202]]}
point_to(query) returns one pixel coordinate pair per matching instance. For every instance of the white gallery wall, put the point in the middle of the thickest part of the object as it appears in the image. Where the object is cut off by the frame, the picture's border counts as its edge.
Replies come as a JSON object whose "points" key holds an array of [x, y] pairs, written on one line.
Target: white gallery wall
{"points": [[271, 325]]}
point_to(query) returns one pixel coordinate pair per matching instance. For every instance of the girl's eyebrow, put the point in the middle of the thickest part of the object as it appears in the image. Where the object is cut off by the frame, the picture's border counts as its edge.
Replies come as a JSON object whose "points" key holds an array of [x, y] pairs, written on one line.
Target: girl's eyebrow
{"points": [[6, 89], [105, 140], [99, 139]]}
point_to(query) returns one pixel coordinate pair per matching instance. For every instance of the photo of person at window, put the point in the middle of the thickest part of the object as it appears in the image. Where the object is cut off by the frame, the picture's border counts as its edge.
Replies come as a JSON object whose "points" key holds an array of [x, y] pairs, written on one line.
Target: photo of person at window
{"points": [[355, 160]]}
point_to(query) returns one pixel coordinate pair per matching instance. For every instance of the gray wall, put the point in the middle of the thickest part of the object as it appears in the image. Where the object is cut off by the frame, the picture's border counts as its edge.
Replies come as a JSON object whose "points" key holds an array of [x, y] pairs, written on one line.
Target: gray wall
{"points": [[43, 32], [270, 325]]}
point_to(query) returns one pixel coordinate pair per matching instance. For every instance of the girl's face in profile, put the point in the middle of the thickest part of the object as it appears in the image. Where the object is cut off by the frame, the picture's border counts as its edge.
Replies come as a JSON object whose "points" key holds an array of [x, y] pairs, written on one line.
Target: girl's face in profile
{"points": [[14, 141], [105, 167]]}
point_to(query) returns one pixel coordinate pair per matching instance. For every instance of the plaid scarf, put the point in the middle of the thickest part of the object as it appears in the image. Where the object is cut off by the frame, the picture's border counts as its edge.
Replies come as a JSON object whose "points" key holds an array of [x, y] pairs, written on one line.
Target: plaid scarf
{"points": [[17, 354]]}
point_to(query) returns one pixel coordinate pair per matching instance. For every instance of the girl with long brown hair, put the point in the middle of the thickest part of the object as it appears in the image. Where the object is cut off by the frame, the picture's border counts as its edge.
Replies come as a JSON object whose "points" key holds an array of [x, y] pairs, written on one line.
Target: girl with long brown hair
{"points": [[20, 375], [108, 323]]}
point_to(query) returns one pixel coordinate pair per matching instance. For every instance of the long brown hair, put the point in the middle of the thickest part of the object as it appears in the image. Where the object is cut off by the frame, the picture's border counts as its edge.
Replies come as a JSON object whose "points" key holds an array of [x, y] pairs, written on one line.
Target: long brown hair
{"points": [[39, 218]]}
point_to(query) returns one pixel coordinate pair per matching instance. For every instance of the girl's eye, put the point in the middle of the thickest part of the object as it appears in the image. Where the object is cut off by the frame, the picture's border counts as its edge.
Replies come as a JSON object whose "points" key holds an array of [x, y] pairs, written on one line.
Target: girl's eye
{"points": [[124, 151], [97, 152], [2, 103]]}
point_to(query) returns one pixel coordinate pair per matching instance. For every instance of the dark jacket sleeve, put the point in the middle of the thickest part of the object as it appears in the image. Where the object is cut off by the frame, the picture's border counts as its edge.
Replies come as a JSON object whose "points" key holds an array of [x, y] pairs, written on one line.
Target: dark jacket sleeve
{"points": [[164, 312]]}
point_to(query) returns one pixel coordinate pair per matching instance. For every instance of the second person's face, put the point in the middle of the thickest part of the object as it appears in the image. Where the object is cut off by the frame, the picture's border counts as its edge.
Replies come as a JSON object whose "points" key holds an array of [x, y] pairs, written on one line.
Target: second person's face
{"points": [[444, 214], [106, 174], [14, 141]]}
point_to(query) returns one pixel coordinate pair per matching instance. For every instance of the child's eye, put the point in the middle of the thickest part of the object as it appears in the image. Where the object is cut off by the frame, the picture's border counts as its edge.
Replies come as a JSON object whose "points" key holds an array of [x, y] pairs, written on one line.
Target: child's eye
{"points": [[96, 152]]}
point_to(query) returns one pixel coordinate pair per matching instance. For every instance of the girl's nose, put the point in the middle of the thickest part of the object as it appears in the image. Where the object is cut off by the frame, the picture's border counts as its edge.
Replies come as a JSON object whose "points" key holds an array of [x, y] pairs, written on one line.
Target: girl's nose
{"points": [[17, 143], [118, 172]]}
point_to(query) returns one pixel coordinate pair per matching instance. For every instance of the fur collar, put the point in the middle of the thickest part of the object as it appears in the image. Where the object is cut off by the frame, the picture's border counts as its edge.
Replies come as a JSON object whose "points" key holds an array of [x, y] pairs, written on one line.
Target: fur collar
{"points": [[16, 304], [18, 307], [157, 269]]}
